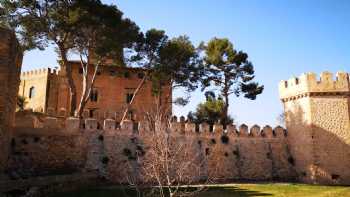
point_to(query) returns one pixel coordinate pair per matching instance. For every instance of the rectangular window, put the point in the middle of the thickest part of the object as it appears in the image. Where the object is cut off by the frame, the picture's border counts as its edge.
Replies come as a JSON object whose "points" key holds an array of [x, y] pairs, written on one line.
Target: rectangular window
{"points": [[129, 97], [113, 73], [94, 95]]}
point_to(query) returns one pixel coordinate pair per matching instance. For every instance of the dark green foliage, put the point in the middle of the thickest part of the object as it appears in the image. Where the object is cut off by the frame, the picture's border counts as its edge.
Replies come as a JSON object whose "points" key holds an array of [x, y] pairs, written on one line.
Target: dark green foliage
{"points": [[210, 111], [21, 102], [126, 74], [229, 70], [140, 151], [225, 139], [105, 160], [126, 152], [236, 153], [169, 62]]}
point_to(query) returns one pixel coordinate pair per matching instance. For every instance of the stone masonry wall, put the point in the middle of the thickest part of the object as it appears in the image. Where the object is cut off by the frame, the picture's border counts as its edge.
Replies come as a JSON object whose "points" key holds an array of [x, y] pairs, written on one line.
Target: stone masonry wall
{"points": [[318, 123], [47, 151], [117, 153], [10, 66]]}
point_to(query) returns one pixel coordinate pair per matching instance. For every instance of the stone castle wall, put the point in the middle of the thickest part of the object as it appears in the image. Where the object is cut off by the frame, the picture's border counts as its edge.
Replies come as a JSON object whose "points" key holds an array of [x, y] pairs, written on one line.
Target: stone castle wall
{"points": [[234, 154], [10, 66], [318, 122]]}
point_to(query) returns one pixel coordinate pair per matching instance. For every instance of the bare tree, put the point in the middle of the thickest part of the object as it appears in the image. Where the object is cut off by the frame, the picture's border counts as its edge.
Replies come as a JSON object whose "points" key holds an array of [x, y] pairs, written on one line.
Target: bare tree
{"points": [[169, 163]]}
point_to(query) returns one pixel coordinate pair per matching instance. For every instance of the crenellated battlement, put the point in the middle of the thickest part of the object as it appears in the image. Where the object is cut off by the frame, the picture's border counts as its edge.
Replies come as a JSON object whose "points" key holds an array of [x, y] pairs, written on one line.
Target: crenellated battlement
{"points": [[309, 84], [39, 72], [111, 127]]}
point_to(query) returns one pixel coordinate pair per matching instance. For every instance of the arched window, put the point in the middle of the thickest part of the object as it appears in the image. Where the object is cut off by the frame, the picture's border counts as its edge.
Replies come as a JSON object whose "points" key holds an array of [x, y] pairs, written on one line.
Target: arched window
{"points": [[31, 92]]}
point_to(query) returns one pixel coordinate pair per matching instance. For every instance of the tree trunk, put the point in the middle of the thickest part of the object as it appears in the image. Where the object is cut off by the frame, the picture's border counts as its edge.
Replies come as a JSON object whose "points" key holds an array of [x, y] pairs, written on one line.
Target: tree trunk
{"points": [[81, 105], [68, 71], [86, 88], [226, 105], [133, 97]]}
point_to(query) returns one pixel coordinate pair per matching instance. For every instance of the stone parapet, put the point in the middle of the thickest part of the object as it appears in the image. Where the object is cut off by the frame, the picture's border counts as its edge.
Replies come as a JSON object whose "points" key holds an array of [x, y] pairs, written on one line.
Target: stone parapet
{"points": [[308, 84], [37, 73]]}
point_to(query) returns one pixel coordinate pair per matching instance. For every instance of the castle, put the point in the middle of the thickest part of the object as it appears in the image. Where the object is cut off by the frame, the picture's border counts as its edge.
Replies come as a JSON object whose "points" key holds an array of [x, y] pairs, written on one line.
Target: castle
{"points": [[314, 147], [47, 91]]}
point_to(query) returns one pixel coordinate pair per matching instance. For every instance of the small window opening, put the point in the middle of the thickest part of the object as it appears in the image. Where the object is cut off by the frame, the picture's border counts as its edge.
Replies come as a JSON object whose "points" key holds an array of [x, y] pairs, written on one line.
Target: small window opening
{"points": [[112, 73], [129, 97], [94, 95], [126, 74], [31, 92], [140, 75]]}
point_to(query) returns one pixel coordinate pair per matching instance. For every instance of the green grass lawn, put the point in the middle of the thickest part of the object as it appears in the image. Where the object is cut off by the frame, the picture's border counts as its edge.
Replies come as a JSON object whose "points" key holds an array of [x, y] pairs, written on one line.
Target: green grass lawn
{"points": [[234, 190]]}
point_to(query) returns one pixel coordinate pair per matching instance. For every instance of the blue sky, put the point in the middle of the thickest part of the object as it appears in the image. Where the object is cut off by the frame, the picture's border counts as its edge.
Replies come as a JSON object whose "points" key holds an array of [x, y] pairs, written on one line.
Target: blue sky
{"points": [[283, 39]]}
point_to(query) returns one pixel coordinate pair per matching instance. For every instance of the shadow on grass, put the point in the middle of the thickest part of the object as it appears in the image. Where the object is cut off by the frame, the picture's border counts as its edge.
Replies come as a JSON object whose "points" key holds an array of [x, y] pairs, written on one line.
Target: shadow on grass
{"points": [[230, 191]]}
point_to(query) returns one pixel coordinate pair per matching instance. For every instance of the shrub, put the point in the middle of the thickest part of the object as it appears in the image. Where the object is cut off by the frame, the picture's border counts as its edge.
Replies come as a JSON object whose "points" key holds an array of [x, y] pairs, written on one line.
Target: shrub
{"points": [[225, 139], [36, 139], [236, 153], [291, 160], [140, 150], [335, 176], [126, 152], [105, 160]]}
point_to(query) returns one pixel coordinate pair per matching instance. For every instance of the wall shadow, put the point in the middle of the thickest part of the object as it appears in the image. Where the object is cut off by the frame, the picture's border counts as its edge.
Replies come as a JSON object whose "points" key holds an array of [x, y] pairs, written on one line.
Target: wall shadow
{"points": [[320, 147]]}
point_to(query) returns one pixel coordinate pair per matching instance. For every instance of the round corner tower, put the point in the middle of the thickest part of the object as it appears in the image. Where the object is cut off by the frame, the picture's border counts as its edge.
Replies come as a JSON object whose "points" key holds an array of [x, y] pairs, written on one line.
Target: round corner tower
{"points": [[318, 123]]}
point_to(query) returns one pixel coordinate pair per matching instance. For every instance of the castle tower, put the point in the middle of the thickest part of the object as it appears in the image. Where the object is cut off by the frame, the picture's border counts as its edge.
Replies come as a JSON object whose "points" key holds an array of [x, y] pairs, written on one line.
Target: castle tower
{"points": [[318, 123], [10, 66]]}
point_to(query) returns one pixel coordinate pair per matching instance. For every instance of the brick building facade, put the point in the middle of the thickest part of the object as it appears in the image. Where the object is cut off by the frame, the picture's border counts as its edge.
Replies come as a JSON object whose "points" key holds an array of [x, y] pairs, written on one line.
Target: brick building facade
{"points": [[47, 91]]}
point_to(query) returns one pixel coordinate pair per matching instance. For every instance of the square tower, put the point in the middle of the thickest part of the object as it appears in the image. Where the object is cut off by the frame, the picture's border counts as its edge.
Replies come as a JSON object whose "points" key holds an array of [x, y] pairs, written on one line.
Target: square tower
{"points": [[318, 123]]}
